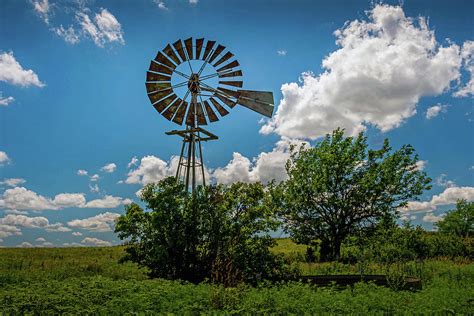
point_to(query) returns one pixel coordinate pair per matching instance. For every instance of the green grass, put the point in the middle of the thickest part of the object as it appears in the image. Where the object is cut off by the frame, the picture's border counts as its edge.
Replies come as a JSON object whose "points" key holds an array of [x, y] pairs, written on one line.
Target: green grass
{"points": [[90, 280]]}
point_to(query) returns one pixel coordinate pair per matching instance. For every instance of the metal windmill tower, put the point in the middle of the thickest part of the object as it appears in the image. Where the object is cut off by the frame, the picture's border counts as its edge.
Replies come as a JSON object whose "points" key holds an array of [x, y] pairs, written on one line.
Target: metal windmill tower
{"points": [[194, 96]]}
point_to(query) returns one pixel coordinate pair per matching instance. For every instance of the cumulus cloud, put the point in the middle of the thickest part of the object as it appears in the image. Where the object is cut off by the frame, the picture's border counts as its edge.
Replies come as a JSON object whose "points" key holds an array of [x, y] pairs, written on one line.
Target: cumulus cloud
{"points": [[430, 218], [40, 239], [94, 177], [132, 162], [382, 68], [193, 2], [20, 198], [442, 181], [104, 28], [57, 227], [4, 101], [265, 167], [434, 110], [467, 54], [99, 223], [281, 52], [12, 72], [109, 168], [24, 221], [448, 197], [421, 164], [77, 234], [12, 182], [151, 169], [25, 244], [4, 159], [91, 241], [9, 230]]}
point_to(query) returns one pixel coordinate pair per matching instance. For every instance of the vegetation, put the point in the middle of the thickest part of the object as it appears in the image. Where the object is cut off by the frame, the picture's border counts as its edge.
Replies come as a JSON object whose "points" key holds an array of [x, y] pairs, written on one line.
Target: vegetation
{"points": [[219, 233], [460, 221], [339, 188], [90, 280]]}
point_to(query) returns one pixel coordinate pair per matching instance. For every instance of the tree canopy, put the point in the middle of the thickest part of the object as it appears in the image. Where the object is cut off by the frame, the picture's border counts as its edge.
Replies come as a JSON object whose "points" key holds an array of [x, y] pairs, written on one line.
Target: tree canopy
{"points": [[340, 186], [459, 221]]}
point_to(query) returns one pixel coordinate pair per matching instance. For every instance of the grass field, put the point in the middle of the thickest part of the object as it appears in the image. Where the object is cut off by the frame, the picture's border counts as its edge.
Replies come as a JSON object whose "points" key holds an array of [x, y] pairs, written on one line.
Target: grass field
{"points": [[90, 280]]}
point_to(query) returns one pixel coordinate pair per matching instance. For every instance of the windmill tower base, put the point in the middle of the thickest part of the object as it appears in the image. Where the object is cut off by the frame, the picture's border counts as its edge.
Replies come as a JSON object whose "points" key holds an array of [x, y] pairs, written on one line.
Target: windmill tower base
{"points": [[191, 163]]}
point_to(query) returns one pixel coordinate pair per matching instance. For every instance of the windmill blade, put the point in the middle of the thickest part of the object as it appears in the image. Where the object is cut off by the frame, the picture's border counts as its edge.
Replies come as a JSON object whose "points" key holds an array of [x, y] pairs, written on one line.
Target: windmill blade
{"points": [[171, 54], [178, 45], [156, 96], [189, 47], [157, 86], [161, 105], [232, 83], [227, 56], [216, 53], [237, 73], [199, 43], [209, 46], [201, 118], [178, 118], [169, 112], [150, 76], [228, 92], [162, 59], [233, 64], [154, 66], [210, 113], [222, 111], [258, 101], [226, 100]]}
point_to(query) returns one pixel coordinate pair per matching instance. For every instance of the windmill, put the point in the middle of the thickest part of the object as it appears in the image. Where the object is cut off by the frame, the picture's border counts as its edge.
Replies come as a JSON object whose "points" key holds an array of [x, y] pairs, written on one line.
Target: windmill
{"points": [[195, 82]]}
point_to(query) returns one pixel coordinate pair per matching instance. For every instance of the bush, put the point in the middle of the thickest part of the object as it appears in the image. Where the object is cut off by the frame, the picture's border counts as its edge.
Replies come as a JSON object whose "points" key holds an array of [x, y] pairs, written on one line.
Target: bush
{"points": [[218, 233]]}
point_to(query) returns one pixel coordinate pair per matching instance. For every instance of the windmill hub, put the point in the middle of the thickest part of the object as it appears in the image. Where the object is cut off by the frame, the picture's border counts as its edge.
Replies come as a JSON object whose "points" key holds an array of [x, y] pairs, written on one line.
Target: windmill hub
{"points": [[206, 97], [193, 83]]}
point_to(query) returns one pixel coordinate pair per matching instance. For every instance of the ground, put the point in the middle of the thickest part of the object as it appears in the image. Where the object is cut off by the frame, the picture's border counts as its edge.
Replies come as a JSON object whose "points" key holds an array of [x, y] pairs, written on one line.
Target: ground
{"points": [[90, 280]]}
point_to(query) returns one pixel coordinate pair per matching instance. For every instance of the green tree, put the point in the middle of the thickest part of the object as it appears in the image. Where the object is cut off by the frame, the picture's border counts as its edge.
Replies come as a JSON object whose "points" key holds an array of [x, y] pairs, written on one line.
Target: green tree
{"points": [[459, 221], [340, 186], [218, 233]]}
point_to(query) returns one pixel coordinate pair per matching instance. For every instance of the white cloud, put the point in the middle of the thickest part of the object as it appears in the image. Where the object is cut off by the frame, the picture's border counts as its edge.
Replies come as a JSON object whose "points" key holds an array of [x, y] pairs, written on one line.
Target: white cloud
{"points": [[13, 182], [4, 159], [99, 223], [77, 234], [57, 227], [152, 169], [70, 35], [161, 4], [94, 188], [107, 201], [109, 168], [281, 52], [104, 29], [467, 54], [421, 164], [377, 76], [24, 221], [40, 239], [9, 230], [4, 101], [95, 177], [448, 197], [95, 242], [435, 110], [25, 244], [193, 2], [132, 162], [12, 72], [20, 198], [430, 218], [82, 172], [443, 182], [43, 9], [264, 168]]}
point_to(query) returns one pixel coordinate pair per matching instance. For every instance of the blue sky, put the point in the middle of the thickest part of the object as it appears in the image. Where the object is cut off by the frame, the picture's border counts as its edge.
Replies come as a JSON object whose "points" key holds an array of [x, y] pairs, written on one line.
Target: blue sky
{"points": [[73, 98]]}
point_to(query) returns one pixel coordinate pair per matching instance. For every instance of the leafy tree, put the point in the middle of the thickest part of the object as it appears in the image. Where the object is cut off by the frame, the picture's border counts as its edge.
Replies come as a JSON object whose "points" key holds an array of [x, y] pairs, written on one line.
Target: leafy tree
{"points": [[218, 233], [340, 186], [459, 221]]}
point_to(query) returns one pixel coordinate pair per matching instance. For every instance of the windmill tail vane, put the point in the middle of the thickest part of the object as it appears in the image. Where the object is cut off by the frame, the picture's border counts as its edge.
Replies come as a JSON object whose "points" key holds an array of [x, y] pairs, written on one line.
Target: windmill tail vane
{"points": [[198, 96]]}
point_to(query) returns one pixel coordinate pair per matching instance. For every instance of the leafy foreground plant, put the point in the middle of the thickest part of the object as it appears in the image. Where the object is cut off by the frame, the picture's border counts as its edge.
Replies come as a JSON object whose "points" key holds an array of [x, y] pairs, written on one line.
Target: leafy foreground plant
{"points": [[218, 233]]}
